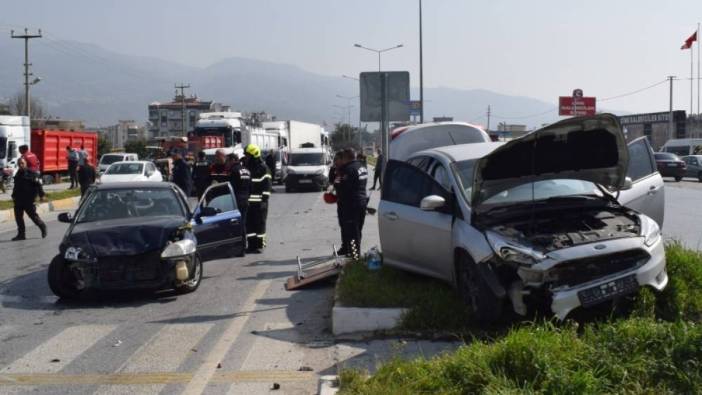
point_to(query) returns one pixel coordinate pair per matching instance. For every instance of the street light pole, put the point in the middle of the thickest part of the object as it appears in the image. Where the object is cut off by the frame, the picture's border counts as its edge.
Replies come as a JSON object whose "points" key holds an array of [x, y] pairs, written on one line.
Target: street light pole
{"points": [[670, 114], [360, 135], [378, 51], [26, 37], [421, 68]]}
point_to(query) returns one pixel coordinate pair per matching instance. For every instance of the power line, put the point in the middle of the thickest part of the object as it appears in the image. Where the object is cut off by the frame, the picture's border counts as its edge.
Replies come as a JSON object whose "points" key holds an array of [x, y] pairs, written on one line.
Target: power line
{"points": [[634, 92]]}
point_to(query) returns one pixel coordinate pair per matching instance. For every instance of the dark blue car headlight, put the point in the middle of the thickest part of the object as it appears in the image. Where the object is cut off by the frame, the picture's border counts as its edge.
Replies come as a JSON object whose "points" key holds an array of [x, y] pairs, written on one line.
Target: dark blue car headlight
{"points": [[179, 248], [77, 254]]}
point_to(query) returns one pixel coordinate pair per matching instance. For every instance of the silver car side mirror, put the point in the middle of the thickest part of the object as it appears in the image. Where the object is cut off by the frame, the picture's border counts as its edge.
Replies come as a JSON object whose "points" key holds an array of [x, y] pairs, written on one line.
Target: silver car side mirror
{"points": [[628, 184], [432, 202]]}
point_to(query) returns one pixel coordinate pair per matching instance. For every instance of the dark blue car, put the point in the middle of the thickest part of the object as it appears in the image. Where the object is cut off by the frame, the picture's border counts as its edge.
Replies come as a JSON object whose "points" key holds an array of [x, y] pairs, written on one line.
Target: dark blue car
{"points": [[144, 236]]}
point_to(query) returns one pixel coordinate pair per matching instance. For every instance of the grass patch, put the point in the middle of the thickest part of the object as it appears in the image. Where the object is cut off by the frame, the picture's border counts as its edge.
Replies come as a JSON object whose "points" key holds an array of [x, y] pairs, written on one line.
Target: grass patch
{"points": [[631, 356], [58, 195], [655, 348], [432, 304]]}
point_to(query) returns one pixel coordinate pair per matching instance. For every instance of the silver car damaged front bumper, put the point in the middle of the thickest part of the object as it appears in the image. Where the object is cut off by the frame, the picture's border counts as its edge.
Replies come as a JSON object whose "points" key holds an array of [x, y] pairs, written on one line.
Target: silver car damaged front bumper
{"points": [[652, 273]]}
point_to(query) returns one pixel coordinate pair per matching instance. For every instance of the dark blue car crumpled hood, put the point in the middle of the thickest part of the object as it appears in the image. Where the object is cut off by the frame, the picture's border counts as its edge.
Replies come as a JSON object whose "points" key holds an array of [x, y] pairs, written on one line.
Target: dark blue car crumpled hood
{"points": [[124, 237]]}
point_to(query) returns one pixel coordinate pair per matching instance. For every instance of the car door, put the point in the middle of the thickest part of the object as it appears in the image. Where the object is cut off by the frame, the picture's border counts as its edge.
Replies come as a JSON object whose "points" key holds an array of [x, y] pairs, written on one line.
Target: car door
{"points": [[219, 235], [647, 194], [411, 238]]}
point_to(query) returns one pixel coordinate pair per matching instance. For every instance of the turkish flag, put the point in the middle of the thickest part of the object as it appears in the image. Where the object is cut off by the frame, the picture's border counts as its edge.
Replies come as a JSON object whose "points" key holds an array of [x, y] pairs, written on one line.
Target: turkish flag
{"points": [[689, 41]]}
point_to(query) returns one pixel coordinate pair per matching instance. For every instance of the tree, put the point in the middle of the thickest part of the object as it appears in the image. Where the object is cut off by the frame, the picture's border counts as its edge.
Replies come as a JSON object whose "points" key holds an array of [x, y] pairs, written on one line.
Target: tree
{"points": [[104, 145], [344, 136], [37, 109], [136, 147]]}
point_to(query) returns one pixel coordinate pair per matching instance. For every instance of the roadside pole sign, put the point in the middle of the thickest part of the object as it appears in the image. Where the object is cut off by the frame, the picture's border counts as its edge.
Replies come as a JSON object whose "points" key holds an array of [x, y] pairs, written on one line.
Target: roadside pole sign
{"points": [[576, 105], [385, 98]]}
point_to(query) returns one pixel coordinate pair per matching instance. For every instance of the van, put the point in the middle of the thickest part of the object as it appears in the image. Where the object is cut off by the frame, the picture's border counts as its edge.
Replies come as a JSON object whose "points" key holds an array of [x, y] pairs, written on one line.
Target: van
{"points": [[307, 167], [108, 159], [682, 147]]}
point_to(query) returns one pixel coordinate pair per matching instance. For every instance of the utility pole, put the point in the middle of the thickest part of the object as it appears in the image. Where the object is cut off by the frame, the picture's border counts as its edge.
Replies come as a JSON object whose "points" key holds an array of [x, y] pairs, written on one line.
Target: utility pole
{"points": [[182, 88], [421, 68], [488, 119], [670, 115], [26, 37]]}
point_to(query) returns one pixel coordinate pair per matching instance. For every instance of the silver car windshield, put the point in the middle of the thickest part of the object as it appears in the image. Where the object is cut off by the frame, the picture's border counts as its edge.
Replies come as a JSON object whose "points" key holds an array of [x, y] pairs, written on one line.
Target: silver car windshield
{"points": [[129, 203], [538, 190], [125, 168]]}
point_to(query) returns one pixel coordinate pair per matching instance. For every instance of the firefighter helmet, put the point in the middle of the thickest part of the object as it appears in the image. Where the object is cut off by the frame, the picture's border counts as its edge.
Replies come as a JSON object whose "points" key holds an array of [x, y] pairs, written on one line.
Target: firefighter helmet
{"points": [[253, 150]]}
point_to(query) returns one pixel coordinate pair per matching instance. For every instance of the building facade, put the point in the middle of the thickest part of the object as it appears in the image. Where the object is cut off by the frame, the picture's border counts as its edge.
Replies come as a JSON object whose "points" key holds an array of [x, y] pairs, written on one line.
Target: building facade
{"points": [[166, 119], [512, 130], [655, 126], [124, 131]]}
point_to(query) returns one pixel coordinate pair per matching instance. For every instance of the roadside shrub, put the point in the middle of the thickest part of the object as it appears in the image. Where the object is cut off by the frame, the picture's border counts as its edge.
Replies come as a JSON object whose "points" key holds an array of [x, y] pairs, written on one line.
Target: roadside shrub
{"points": [[630, 356]]}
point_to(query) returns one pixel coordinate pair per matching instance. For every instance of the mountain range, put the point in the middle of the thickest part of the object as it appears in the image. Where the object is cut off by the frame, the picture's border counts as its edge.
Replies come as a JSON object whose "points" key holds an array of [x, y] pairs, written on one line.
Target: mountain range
{"points": [[90, 83]]}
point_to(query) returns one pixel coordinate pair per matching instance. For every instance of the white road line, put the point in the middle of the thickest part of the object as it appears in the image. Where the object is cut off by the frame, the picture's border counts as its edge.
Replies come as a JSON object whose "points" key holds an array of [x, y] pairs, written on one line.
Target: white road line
{"points": [[205, 372], [164, 352], [59, 351]]}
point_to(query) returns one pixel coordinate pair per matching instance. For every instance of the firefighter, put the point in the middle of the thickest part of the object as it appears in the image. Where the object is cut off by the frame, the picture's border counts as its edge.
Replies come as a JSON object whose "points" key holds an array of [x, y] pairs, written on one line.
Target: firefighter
{"points": [[350, 184], [240, 179], [201, 174], [258, 200]]}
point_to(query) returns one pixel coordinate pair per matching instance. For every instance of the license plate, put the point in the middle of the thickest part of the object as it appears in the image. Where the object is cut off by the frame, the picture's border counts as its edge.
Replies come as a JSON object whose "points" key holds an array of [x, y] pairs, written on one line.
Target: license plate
{"points": [[305, 181], [672, 165], [608, 291]]}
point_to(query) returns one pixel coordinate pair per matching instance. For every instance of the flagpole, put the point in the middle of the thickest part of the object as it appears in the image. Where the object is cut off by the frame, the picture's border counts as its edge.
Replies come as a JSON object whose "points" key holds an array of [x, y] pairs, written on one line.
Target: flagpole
{"points": [[698, 69], [692, 77]]}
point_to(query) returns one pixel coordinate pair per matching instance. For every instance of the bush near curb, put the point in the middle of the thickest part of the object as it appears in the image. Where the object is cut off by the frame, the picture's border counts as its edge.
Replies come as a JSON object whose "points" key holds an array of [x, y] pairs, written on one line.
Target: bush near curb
{"points": [[657, 349], [50, 196]]}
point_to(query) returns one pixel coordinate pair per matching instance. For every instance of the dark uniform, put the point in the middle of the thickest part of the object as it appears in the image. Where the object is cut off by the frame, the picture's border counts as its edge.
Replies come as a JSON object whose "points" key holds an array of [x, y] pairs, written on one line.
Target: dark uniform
{"points": [[24, 194], [258, 203], [201, 176], [182, 176], [350, 183], [219, 172], [86, 177], [240, 178]]}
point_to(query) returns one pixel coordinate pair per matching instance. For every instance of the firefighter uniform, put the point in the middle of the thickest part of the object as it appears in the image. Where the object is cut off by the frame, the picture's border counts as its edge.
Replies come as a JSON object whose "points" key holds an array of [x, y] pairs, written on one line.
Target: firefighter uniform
{"points": [[240, 179], [350, 184], [258, 200], [201, 176]]}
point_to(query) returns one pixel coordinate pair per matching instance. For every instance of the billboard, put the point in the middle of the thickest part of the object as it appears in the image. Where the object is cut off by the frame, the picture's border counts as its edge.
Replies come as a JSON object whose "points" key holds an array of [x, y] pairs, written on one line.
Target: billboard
{"points": [[576, 105], [397, 95]]}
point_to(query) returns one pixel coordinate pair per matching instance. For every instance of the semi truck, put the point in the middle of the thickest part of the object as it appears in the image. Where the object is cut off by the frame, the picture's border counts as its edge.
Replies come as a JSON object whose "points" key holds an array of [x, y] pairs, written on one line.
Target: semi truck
{"points": [[14, 132], [234, 130]]}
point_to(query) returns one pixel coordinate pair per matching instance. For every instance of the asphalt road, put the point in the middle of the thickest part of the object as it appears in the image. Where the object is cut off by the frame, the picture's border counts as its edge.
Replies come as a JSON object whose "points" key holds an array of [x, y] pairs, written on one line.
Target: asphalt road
{"points": [[240, 332]]}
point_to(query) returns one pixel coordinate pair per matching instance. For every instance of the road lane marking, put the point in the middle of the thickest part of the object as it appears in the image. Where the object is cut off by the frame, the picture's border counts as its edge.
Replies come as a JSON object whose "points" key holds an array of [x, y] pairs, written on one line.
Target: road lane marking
{"points": [[207, 370], [149, 378], [59, 351], [164, 352]]}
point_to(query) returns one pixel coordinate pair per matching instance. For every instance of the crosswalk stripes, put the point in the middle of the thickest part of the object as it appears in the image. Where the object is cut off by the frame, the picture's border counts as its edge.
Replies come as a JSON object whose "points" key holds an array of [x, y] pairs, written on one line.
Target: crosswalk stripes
{"points": [[59, 351]]}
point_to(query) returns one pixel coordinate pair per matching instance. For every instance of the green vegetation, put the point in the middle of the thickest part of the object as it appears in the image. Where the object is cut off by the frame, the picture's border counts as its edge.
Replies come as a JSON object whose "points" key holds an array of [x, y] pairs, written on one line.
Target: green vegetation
{"points": [[50, 196], [656, 348]]}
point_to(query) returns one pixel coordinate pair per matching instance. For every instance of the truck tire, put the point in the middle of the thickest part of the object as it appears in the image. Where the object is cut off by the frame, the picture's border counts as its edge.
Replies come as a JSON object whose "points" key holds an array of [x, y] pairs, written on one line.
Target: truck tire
{"points": [[678, 179], [195, 280], [60, 279], [474, 291]]}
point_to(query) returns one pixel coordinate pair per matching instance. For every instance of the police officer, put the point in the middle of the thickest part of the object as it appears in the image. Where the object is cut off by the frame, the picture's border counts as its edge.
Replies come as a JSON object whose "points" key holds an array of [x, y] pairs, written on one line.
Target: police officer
{"points": [[218, 169], [181, 173], [258, 200], [240, 178], [23, 195], [201, 174], [350, 183]]}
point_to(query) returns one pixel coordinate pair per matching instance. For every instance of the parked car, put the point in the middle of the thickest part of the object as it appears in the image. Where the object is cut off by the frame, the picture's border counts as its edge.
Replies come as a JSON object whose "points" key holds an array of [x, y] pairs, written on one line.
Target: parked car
{"points": [[131, 172], [144, 236], [555, 215], [670, 165], [108, 159], [307, 168], [694, 166]]}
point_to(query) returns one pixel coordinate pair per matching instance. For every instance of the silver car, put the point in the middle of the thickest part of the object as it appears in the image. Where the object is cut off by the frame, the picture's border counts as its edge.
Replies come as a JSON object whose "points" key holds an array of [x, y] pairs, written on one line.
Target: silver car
{"points": [[568, 214]]}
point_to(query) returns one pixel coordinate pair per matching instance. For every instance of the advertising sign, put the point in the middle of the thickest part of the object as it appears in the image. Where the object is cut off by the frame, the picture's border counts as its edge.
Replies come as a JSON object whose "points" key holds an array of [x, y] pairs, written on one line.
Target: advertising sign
{"points": [[396, 95], [576, 105]]}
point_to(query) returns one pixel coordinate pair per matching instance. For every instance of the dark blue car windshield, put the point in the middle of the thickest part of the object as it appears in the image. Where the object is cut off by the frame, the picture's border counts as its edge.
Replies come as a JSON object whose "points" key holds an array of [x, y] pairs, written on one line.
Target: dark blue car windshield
{"points": [[129, 203]]}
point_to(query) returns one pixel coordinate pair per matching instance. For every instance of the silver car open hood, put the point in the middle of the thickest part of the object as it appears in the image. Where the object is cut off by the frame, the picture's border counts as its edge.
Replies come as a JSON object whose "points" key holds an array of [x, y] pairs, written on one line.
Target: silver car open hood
{"points": [[584, 148]]}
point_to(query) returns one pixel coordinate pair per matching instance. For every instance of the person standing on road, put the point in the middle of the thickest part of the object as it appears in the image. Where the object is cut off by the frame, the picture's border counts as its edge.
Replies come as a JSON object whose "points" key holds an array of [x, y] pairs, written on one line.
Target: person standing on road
{"points": [[271, 162], [86, 176], [181, 173], [33, 166], [350, 183], [378, 170], [23, 196], [82, 155], [218, 169], [201, 174], [240, 179], [72, 158], [258, 200]]}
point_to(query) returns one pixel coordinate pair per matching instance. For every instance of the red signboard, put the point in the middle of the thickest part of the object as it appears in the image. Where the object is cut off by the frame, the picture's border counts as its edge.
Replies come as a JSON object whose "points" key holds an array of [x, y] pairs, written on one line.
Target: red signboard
{"points": [[576, 106]]}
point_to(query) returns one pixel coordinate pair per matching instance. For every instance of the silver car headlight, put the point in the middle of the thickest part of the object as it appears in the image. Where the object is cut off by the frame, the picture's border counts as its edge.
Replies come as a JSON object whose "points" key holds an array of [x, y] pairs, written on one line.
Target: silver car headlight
{"points": [[291, 171], [178, 249], [320, 171], [77, 254], [650, 230], [512, 252]]}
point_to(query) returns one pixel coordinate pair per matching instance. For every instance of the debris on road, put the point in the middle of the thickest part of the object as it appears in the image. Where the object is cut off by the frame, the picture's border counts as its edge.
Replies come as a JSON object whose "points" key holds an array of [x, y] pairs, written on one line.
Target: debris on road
{"points": [[322, 269], [117, 343]]}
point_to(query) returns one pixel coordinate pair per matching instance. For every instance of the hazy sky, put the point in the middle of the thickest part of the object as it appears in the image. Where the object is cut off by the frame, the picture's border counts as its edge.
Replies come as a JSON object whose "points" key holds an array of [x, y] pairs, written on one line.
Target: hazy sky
{"points": [[534, 48]]}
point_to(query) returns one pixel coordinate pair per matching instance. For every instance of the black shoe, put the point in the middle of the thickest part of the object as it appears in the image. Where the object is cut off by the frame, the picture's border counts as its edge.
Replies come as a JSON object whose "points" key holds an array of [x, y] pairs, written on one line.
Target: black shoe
{"points": [[43, 232], [342, 251], [18, 238]]}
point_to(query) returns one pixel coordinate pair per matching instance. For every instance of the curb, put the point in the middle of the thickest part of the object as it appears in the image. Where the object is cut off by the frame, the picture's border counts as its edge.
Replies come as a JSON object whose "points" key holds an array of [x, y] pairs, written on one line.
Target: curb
{"points": [[347, 320], [328, 385], [44, 208]]}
